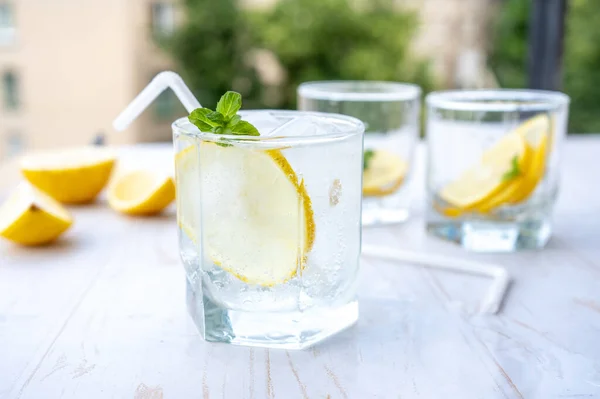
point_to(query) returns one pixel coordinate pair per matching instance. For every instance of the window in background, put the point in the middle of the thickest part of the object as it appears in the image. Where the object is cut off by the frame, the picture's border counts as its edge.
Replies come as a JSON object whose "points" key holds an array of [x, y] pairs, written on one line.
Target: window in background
{"points": [[163, 19], [7, 27], [10, 88], [166, 106], [14, 144]]}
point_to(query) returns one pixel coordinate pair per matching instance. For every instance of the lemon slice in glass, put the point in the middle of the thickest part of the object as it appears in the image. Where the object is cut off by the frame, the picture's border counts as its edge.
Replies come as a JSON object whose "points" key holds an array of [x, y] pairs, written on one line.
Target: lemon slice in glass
{"points": [[535, 133], [384, 174], [482, 182], [256, 216]]}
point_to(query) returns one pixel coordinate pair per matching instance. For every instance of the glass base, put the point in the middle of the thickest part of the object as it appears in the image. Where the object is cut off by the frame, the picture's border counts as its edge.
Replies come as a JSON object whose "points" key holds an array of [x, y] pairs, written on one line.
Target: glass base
{"points": [[493, 236], [387, 209], [284, 330]]}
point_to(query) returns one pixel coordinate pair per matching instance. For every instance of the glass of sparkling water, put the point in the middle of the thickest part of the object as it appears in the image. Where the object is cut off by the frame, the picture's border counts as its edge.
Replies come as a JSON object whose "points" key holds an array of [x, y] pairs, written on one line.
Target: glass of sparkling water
{"points": [[493, 163], [270, 227], [390, 112]]}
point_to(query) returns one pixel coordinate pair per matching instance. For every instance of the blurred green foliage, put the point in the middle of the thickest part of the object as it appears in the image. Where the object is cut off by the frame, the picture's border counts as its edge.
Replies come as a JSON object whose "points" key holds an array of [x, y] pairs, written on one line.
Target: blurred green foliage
{"points": [[581, 57], [311, 39], [336, 39], [210, 49]]}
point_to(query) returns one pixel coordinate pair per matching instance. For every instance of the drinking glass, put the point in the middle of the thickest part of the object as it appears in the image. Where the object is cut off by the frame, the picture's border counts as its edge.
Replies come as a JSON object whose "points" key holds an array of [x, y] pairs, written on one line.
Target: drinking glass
{"points": [[390, 112], [493, 166], [270, 228]]}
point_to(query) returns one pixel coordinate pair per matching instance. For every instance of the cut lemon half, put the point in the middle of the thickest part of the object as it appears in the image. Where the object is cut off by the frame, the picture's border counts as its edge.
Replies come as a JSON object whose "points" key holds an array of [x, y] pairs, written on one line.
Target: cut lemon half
{"points": [[141, 192], [30, 217], [256, 216], [384, 174], [485, 180], [70, 176]]}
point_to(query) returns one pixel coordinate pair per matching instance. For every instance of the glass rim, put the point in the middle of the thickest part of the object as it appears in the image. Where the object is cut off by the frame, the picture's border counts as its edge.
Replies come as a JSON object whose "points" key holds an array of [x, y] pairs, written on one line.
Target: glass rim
{"points": [[346, 126], [333, 90], [472, 100]]}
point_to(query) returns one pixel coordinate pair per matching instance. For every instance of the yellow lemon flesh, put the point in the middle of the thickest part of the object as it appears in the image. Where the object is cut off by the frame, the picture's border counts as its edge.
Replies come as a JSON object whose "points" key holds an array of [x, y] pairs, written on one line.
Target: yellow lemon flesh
{"points": [[535, 133], [141, 192], [256, 216], [30, 217], [384, 174], [70, 176], [482, 182]]}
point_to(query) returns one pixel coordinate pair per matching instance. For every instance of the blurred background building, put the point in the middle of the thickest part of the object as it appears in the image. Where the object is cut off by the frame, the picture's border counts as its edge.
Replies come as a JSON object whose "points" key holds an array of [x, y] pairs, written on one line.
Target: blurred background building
{"points": [[68, 67]]}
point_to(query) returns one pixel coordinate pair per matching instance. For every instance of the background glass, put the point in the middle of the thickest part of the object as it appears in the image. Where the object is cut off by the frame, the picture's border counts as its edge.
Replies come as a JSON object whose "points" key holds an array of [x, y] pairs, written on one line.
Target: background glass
{"points": [[493, 160], [390, 112], [321, 155]]}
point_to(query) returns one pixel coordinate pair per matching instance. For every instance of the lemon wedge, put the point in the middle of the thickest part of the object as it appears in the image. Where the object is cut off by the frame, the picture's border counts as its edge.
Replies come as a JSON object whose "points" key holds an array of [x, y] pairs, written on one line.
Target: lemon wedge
{"points": [[384, 174], [70, 176], [484, 181], [141, 192], [30, 217], [256, 215]]}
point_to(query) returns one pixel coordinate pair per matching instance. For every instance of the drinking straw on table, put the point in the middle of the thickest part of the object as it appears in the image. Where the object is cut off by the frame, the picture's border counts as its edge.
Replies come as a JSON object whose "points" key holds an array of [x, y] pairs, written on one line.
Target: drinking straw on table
{"points": [[497, 290]]}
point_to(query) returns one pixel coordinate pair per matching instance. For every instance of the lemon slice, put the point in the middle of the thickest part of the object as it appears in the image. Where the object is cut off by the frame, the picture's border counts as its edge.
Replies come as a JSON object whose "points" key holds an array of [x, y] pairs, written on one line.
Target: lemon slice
{"points": [[535, 133], [30, 217], [187, 171], [448, 211], [70, 176], [257, 218], [384, 174], [141, 192], [485, 180]]}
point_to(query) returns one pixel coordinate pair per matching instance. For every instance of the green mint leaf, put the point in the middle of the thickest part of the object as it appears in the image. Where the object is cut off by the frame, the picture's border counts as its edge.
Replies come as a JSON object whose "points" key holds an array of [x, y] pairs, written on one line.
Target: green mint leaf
{"points": [[223, 143], [201, 125], [234, 120], [515, 170], [244, 128], [200, 116], [225, 119], [229, 104], [367, 158], [216, 118]]}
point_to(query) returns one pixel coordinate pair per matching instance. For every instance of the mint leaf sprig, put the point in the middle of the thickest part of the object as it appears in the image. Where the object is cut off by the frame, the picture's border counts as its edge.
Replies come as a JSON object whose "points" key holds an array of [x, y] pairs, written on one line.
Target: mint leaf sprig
{"points": [[515, 170], [367, 158], [225, 119]]}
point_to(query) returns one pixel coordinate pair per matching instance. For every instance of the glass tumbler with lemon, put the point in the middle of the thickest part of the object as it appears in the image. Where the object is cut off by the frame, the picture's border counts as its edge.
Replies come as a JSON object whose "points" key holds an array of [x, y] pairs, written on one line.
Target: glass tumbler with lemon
{"points": [[390, 112], [268, 209], [493, 166]]}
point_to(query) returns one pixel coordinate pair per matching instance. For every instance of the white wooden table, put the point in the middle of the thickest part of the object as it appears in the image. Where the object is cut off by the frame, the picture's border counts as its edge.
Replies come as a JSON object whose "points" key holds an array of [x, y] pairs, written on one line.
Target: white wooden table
{"points": [[102, 315]]}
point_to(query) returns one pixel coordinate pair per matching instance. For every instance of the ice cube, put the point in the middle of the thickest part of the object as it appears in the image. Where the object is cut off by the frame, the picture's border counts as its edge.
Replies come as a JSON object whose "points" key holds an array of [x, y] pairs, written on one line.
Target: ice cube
{"points": [[264, 121], [301, 126]]}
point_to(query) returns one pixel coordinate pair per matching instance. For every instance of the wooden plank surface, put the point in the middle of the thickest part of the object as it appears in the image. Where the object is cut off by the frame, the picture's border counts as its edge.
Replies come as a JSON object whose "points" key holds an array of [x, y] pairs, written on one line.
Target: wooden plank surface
{"points": [[102, 315]]}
